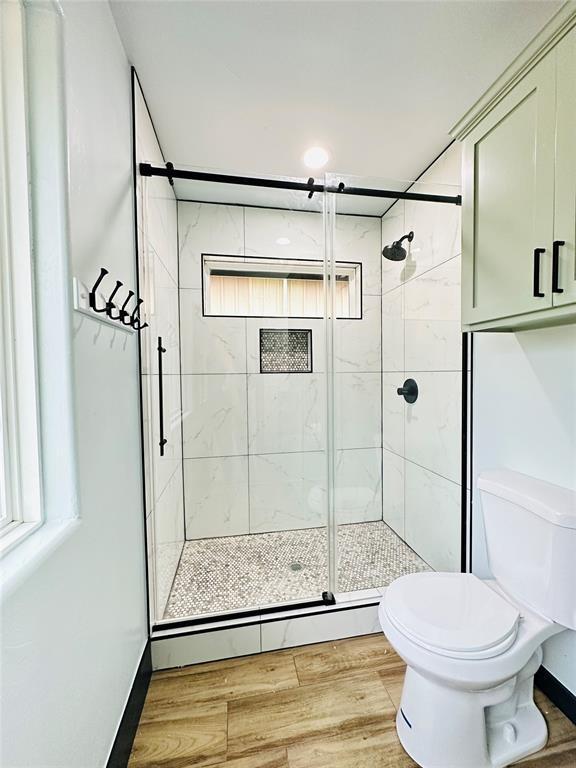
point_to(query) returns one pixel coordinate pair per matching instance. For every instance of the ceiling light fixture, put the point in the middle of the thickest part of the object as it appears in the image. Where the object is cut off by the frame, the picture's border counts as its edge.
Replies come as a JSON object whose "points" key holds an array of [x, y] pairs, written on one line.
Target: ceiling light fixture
{"points": [[282, 241], [315, 157]]}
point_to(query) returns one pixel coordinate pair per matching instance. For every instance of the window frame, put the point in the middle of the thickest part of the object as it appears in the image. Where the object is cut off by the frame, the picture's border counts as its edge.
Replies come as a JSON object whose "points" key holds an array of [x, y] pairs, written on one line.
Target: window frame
{"points": [[240, 264], [20, 433]]}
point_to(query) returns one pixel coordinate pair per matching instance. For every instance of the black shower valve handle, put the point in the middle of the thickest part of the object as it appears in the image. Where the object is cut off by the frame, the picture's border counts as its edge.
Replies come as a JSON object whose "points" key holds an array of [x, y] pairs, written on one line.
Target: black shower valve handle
{"points": [[409, 391]]}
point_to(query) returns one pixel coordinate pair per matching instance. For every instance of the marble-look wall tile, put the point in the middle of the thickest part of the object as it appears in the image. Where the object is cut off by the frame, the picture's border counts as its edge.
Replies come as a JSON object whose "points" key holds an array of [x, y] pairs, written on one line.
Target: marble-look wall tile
{"points": [[162, 467], [393, 330], [214, 415], [357, 238], [358, 497], [158, 223], [207, 228], [162, 315], [393, 228], [436, 226], [437, 236], [433, 431], [433, 345], [433, 518], [330, 625], [432, 319], [357, 342], [286, 412], [166, 558], [169, 511], [287, 491], [393, 495], [210, 344], [168, 523], [357, 401], [181, 651], [393, 412], [254, 324], [421, 339], [304, 230], [216, 497], [435, 295]]}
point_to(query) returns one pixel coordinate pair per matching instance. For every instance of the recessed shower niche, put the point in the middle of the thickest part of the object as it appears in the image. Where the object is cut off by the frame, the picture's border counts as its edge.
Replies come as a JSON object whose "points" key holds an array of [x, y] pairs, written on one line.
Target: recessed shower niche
{"points": [[287, 336], [285, 350]]}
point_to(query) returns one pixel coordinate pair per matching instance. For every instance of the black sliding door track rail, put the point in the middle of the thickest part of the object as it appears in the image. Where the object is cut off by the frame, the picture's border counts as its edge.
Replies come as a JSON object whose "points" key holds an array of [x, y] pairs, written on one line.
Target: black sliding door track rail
{"points": [[171, 173]]}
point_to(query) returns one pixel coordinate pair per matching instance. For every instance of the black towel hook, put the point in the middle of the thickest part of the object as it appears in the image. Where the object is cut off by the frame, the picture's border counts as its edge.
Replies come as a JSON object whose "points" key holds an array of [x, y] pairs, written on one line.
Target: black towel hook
{"points": [[124, 312], [92, 294], [135, 317], [110, 303]]}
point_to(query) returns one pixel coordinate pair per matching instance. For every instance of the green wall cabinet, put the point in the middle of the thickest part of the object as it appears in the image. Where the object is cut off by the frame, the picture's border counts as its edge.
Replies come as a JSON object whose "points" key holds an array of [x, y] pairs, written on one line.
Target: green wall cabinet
{"points": [[519, 191]]}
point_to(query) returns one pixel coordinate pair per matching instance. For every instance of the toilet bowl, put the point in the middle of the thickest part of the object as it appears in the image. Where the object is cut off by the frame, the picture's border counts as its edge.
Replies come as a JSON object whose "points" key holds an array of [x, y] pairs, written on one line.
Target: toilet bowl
{"points": [[471, 655], [473, 646]]}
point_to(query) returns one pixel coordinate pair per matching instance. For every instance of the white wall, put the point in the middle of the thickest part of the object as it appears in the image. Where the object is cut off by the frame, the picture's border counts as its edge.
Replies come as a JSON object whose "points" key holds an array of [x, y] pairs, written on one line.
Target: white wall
{"points": [[421, 339], [525, 420], [158, 265], [74, 619], [254, 443]]}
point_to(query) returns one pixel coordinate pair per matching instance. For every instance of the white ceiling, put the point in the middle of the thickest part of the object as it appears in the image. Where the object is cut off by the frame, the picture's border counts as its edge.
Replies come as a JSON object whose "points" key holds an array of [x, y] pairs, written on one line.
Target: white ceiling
{"points": [[246, 87]]}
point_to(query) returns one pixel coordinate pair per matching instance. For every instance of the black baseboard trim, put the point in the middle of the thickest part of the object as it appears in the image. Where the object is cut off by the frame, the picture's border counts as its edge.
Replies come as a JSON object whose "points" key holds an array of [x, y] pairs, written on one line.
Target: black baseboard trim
{"points": [[558, 694], [122, 746]]}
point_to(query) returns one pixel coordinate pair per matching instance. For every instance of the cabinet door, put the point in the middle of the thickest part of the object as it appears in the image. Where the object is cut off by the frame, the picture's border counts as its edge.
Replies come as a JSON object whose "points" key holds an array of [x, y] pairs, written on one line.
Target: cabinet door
{"points": [[565, 196], [508, 202]]}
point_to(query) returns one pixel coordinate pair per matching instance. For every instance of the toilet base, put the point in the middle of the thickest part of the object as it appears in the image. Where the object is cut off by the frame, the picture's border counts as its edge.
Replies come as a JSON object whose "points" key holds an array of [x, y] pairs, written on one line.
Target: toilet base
{"points": [[442, 727]]}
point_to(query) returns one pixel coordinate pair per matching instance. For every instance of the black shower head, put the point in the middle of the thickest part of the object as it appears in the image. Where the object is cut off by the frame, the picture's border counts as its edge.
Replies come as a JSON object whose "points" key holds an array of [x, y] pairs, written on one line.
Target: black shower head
{"points": [[396, 252]]}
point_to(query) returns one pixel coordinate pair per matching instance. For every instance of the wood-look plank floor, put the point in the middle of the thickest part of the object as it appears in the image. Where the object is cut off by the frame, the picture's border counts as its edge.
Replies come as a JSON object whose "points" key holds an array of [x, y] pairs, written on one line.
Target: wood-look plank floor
{"points": [[330, 705]]}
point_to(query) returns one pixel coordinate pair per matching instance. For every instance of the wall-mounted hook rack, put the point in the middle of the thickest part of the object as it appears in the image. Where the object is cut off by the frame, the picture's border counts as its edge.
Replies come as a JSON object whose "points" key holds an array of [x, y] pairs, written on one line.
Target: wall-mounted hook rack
{"points": [[94, 303]]}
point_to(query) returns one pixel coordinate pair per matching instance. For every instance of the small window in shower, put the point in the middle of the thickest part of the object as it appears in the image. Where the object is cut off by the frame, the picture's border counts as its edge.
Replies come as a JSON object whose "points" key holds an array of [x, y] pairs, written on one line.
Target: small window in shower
{"points": [[285, 350], [238, 286]]}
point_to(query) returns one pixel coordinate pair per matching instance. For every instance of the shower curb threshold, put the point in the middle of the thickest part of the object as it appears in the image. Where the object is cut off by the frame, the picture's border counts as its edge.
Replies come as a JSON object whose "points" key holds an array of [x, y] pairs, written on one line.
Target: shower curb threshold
{"points": [[228, 638], [225, 621]]}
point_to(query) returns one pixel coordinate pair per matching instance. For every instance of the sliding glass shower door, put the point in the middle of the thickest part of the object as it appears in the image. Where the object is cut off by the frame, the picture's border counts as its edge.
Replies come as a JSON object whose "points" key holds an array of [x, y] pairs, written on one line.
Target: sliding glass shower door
{"points": [[396, 379], [252, 373]]}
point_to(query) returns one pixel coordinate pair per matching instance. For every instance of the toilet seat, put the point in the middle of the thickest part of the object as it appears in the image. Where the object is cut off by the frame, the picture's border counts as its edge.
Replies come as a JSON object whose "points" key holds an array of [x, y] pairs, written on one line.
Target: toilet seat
{"points": [[452, 614]]}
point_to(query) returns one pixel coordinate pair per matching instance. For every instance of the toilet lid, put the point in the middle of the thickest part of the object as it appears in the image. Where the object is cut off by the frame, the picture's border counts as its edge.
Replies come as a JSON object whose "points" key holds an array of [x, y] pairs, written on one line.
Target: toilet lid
{"points": [[455, 614]]}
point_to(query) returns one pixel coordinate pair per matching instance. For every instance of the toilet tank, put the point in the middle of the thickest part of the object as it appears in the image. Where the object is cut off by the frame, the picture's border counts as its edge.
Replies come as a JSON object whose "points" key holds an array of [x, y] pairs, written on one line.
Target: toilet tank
{"points": [[531, 540]]}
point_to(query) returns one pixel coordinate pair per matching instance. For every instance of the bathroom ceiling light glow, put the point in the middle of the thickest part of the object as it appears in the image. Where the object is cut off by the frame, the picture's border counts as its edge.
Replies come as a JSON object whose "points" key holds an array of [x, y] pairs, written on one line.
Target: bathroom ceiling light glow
{"points": [[283, 241], [315, 157]]}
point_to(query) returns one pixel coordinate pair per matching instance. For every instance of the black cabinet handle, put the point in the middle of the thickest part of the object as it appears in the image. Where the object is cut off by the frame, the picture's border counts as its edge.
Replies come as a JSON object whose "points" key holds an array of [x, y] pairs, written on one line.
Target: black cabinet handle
{"points": [[162, 442], [537, 253], [556, 245]]}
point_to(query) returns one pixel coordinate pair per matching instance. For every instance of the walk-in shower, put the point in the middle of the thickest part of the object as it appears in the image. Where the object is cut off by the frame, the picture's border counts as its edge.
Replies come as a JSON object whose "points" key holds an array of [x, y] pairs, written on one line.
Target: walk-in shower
{"points": [[280, 461]]}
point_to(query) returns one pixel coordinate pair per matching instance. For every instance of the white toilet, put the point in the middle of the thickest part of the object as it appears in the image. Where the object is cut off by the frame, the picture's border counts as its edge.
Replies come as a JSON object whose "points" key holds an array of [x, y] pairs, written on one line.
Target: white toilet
{"points": [[472, 646]]}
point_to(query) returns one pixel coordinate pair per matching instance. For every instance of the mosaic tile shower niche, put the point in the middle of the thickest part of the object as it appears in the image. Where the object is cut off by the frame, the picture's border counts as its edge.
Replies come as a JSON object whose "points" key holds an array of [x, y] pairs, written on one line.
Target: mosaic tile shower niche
{"points": [[285, 350]]}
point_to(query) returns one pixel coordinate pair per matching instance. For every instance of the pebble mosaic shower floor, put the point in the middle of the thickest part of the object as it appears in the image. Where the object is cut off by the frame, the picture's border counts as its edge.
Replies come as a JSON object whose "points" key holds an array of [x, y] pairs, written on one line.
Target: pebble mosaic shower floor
{"points": [[255, 570]]}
